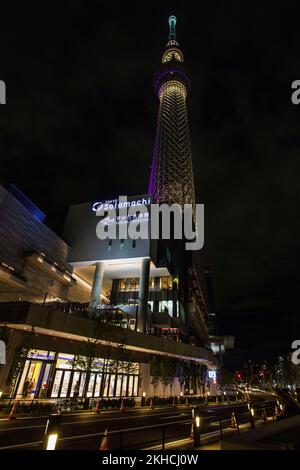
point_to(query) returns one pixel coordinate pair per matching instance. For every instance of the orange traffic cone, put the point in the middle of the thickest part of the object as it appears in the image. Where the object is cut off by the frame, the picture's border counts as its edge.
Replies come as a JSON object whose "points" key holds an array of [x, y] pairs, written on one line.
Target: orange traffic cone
{"points": [[13, 412], [151, 404], [98, 409], [264, 415], [122, 407], [233, 421], [104, 442]]}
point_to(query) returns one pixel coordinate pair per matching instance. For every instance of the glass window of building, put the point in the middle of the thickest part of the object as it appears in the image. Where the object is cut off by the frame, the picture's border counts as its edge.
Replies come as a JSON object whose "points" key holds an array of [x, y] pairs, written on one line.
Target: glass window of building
{"points": [[64, 361], [111, 386], [119, 385], [129, 284], [39, 373], [136, 386], [82, 383], [130, 385], [65, 384], [91, 386], [98, 385], [76, 378], [29, 381], [56, 383], [105, 388], [166, 283], [124, 386], [41, 354], [166, 306], [44, 386]]}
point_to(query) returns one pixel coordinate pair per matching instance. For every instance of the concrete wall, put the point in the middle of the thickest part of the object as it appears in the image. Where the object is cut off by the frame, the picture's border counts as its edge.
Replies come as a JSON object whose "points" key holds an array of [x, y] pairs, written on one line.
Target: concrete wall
{"points": [[147, 387], [87, 248]]}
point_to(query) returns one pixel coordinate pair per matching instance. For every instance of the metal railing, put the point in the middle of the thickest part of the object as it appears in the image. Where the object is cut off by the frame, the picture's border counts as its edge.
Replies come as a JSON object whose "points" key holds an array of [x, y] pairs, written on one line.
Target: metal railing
{"points": [[160, 436]]}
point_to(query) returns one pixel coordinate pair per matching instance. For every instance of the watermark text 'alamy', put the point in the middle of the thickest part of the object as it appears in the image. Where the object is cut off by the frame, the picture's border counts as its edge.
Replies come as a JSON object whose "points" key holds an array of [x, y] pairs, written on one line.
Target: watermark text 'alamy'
{"points": [[123, 220]]}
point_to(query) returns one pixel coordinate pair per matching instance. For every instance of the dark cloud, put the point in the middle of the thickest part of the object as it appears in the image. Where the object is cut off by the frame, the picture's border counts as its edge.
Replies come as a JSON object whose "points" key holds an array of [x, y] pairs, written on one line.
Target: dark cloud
{"points": [[80, 123]]}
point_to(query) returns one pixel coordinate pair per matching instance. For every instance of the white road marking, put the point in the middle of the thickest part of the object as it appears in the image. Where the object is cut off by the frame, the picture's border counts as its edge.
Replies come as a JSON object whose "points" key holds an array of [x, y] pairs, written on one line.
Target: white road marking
{"points": [[95, 420]]}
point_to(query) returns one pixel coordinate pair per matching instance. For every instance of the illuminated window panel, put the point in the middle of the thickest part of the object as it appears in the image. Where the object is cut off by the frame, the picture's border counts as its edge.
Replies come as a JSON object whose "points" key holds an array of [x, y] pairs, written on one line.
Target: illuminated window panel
{"points": [[130, 385], [112, 385], [105, 390], [82, 383], [56, 383], [64, 361], [136, 386], [65, 384], [130, 284], [166, 283], [91, 386], [166, 306], [119, 385], [76, 378], [98, 385], [124, 386]]}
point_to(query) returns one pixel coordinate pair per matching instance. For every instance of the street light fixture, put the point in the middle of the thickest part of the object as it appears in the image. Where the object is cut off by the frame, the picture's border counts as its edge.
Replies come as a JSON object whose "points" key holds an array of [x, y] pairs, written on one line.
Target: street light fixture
{"points": [[196, 426], [52, 431]]}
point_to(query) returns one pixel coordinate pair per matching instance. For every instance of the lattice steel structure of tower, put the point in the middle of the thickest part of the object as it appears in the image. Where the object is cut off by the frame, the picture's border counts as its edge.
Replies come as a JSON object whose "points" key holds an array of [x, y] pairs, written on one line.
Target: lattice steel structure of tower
{"points": [[171, 178]]}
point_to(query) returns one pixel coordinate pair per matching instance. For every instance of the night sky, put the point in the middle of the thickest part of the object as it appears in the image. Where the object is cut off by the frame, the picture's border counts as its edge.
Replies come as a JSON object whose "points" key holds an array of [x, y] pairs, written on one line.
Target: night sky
{"points": [[80, 121]]}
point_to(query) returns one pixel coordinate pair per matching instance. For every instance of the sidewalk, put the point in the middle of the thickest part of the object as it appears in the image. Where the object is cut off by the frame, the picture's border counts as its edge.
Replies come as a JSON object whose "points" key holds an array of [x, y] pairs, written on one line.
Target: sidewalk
{"points": [[211, 446]]}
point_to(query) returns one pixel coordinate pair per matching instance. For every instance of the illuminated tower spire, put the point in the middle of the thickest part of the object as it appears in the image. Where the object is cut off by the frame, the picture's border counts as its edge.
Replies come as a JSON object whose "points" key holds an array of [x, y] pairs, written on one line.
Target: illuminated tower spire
{"points": [[172, 28], [171, 178]]}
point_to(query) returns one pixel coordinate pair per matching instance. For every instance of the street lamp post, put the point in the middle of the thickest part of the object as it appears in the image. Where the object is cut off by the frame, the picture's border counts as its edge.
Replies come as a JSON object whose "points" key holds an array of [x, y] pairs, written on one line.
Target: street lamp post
{"points": [[196, 426], [52, 431], [252, 420]]}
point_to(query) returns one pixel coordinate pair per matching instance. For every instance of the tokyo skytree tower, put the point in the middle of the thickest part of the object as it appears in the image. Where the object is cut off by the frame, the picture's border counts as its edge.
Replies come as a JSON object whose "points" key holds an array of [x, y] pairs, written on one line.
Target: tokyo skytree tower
{"points": [[171, 178]]}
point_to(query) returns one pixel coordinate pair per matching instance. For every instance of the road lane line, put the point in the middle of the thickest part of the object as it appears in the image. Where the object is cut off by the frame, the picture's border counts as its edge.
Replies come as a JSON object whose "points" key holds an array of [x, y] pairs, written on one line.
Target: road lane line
{"points": [[119, 418], [23, 427]]}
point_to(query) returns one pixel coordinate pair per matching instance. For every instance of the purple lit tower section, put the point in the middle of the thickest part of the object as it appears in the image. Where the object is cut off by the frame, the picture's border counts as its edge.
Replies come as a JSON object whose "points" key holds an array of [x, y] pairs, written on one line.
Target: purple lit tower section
{"points": [[171, 178]]}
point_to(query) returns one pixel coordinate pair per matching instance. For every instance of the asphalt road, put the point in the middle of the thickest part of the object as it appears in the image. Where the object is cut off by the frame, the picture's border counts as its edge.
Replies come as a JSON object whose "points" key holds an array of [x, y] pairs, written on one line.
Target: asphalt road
{"points": [[84, 431]]}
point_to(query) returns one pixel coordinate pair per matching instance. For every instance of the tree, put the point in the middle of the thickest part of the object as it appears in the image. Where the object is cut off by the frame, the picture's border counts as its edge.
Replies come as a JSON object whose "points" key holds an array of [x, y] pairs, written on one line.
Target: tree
{"points": [[180, 374], [111, 345], [106, 352], [155, 372], [87, 362], [18, 364], [172, 366], [286, 373], [165, 373], [191, 374], [201, 374]]}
